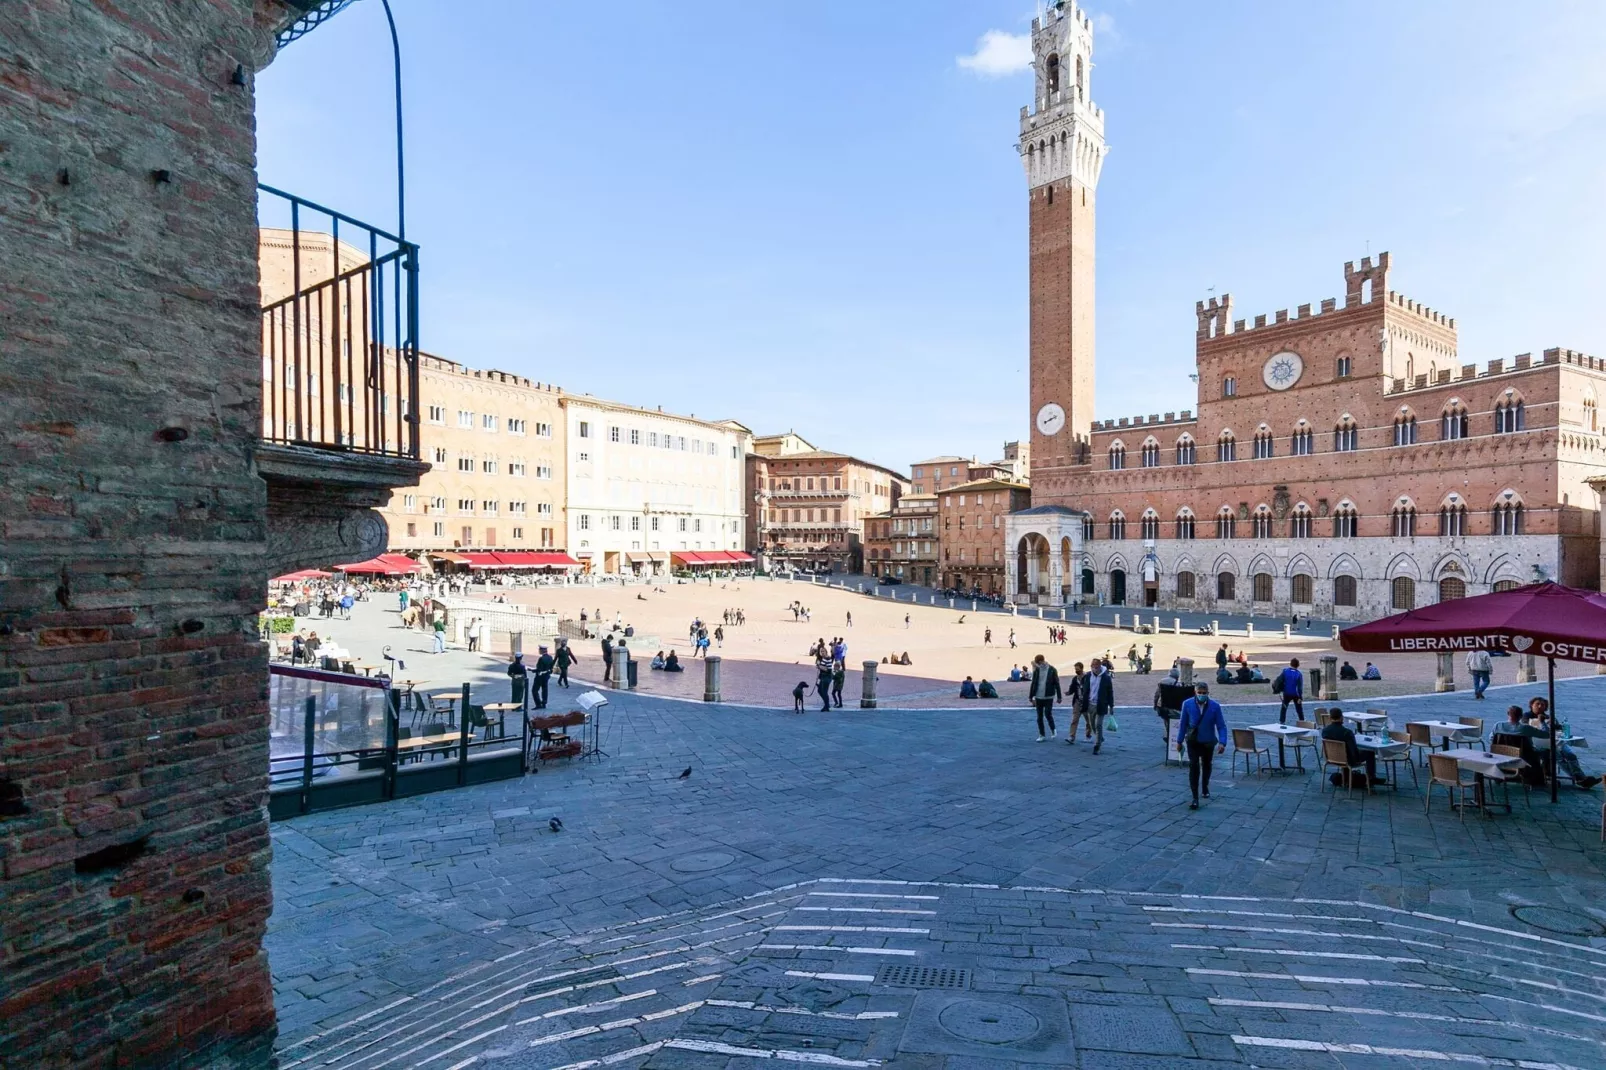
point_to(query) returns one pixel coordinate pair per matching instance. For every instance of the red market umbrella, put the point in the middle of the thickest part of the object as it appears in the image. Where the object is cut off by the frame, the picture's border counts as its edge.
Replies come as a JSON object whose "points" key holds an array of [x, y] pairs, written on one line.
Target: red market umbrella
{"points": [[304, 574], [1544, 619]]}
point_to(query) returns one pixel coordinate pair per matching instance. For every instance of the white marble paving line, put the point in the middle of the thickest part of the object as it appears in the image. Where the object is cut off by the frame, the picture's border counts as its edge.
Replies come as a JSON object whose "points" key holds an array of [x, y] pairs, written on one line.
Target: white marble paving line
{"points": [[1324, 1008], [1319, 979], [847, 929], [749, 1005], [831, 976], [609, 1060], [712, 917], [621, 1023], [816, 1058], [864, 910], [894, 951], [1426, 1055], [585, 1008], [875, 895], [1356, 956]]}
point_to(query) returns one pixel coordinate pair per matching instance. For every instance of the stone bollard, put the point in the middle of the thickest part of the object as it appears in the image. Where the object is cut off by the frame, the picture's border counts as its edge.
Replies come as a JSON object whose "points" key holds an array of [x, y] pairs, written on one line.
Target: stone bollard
{"points": [[1444, 678], [1249, 630], [973, 605], [1176, 625], [711, 678], [1335, 633], [1527, 670], [1118, 622], [1062, 613], [867, 699], [950, 603], [1087, 618], [1287, 631], [933, 600], [1157, 624], [1185, 671], [1329, 676], [1040, 617]]}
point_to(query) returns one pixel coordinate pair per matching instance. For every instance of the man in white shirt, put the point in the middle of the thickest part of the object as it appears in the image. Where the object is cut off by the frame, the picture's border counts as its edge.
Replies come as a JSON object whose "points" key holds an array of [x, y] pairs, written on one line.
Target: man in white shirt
{"points": [[1481, 665]]}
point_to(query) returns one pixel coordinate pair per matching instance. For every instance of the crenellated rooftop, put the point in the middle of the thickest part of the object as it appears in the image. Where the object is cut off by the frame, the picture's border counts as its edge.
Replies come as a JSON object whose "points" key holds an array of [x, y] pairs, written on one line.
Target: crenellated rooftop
{"points": [[1128, 423], [1520, 363]]}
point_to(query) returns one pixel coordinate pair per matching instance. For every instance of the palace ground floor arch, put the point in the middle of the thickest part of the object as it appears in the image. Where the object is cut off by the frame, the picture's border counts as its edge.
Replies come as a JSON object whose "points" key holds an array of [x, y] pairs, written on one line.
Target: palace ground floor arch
{"points": [[1043, 559]]}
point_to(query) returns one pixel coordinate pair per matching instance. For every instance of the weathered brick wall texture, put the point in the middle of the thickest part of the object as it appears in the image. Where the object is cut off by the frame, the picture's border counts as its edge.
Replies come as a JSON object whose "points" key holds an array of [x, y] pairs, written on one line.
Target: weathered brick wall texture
{"points": [[134, 889]]}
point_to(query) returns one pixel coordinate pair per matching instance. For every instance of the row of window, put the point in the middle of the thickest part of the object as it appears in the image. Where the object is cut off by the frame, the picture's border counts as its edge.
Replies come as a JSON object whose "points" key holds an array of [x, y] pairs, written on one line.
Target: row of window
{"points": [[1506, 518], [489, 465], [903, 549], [466, 535], [805, 516], [488, 422], [1302, 588], [808, 483], [486, 506], [1454, 423], [615, 522], [633, 435]]}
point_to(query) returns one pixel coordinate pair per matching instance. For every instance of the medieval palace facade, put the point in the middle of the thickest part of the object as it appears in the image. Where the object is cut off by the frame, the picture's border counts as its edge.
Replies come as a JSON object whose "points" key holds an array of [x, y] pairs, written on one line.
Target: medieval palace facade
{"points": [[1342, 460]]}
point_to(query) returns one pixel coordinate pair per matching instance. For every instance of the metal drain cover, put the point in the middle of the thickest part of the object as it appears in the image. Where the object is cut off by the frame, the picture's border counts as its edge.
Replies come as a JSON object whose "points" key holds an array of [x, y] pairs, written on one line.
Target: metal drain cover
{"points": [[1557, 920], [988, 1022], [922, 977], [701, 863]]}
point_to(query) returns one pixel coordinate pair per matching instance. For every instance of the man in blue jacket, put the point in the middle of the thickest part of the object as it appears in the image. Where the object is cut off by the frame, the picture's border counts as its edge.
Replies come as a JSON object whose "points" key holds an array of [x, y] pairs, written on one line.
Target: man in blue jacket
{"points": [[1292, 689], [1201, 727]]}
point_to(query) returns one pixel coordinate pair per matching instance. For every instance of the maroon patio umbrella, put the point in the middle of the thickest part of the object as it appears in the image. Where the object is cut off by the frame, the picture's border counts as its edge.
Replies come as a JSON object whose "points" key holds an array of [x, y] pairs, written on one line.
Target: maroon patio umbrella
{"points": [[1543, 619]]}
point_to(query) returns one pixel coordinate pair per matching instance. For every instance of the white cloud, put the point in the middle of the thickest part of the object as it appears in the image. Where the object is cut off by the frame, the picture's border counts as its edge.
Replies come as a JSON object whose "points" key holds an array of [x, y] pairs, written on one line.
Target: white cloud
{"points": [[1105, 33], [998, 54]]}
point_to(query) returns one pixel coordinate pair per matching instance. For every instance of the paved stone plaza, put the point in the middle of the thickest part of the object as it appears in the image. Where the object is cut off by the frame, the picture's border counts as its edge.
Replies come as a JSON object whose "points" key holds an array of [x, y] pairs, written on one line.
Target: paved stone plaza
{"points": [[930, 889]]}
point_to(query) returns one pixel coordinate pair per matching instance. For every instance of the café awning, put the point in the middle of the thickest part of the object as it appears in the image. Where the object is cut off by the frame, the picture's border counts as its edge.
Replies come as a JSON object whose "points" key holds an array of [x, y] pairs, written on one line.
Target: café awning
{"points": [[383, 565], [536, 559], [638, 556], [303, 574]]}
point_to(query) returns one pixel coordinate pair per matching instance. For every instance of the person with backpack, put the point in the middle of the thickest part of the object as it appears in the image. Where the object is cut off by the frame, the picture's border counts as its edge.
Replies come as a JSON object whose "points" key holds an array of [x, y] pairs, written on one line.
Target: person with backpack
{"points": [[1201, 727], [1290, 684]]}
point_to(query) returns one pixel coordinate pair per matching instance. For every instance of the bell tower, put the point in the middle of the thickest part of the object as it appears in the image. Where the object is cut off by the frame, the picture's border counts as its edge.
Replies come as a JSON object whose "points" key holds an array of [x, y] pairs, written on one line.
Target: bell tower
{"points": [[1062, 148]]}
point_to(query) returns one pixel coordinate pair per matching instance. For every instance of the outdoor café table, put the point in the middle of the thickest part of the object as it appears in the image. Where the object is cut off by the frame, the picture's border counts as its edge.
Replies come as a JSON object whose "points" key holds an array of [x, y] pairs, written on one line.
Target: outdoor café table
{"points": [[1380, 745], [1365, 722], [1485, 764], [442, 741], [1282, 732], [501, 710], [450, 698], [1443, 728]]}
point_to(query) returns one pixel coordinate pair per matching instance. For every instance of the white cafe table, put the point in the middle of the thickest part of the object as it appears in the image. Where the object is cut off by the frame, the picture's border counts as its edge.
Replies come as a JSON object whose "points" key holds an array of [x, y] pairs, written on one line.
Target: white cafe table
{"points": [[1283, 732], [1365, 722], [1484, 764], [1442, 728]]}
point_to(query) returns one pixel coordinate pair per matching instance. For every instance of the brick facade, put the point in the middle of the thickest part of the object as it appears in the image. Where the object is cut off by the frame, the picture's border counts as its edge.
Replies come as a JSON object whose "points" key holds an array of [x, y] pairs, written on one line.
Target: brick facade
{"points": [[904, 542], [133, 731], [971, 519], [810, 506]]}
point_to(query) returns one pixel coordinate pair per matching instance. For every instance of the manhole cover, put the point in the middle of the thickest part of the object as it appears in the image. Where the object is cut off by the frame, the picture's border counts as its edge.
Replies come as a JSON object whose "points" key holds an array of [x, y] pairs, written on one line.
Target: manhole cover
{"points": [[1556, 920], [699, 863], [990, 1023], [922, 977]]}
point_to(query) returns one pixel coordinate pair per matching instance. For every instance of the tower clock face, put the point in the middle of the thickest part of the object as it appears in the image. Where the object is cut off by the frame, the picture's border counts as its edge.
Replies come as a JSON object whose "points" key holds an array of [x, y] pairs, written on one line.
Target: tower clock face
{"points": [[1050, 419], [1283, 370]]}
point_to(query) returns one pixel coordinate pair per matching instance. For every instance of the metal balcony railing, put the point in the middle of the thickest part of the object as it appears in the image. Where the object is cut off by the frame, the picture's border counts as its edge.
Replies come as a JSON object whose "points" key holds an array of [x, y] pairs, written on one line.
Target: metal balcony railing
{"points": [[339, 331]]}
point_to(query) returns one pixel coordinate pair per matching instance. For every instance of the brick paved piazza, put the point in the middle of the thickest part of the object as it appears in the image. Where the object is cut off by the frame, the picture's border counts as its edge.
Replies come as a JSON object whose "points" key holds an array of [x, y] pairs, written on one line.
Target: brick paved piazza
{"points": [[1084, 916]]}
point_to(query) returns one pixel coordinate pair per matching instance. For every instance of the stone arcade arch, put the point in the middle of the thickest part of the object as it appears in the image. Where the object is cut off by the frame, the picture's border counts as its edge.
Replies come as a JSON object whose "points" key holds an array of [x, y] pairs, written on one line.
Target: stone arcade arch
{"points": [[1043, 542]]}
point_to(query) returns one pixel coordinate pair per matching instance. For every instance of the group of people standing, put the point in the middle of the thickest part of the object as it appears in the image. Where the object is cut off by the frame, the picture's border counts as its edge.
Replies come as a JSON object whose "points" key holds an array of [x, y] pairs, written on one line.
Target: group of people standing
{"points": [[1090, 694], [830, 671], [536, 681]]}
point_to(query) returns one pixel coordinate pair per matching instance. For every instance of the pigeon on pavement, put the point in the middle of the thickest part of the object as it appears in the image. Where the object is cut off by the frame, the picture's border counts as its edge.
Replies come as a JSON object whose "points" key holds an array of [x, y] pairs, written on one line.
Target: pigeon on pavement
{"points": [[555, 825], [685, 773]]}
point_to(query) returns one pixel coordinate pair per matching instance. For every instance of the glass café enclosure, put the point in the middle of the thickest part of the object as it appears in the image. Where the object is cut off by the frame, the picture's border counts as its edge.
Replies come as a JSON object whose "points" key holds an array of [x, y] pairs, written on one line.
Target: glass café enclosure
{"points": [[338, 739]]}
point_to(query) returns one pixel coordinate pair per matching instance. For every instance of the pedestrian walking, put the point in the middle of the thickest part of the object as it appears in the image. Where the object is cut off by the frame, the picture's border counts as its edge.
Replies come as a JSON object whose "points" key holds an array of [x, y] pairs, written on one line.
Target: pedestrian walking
{"points": [[823, 669], [1290, 684], [906, 621], [1481, 665], [987, 637], [1101, 698], [519, 676], [850, 619], [564, 658], [1045, 690], [1201, 734], [439, 629], [719, 635], [543, 677], [839, 676], [1012, 639], [607, 658], [1076, 697]]}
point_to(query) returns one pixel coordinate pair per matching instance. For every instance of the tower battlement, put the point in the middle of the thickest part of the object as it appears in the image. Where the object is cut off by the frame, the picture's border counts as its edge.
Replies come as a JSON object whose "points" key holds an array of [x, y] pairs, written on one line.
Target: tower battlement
{"points": [[1062, 131]]}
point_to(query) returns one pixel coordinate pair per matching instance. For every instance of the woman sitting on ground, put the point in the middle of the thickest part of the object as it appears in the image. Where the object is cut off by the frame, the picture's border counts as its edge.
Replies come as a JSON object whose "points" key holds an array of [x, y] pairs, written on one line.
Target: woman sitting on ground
{"points": [[987, 690], [672, 663], [658, 660], [967, 689]]}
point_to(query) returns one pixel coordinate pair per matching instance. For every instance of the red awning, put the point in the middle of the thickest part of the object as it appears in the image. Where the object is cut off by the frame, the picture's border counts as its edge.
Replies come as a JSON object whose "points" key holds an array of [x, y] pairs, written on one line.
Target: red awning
{"points": [[482, 559], [740, 557], [712, 557], [536, 559], [384, 565], [304, 574]]}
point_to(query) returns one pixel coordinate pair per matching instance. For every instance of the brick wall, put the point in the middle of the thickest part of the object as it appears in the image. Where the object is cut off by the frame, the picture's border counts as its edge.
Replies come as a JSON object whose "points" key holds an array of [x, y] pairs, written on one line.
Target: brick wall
{"points": [[132, 525]]}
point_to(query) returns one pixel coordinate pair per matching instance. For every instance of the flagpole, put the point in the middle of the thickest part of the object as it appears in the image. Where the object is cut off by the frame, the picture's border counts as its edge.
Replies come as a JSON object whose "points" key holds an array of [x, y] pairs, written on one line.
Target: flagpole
{"points": [[1551, 662]]}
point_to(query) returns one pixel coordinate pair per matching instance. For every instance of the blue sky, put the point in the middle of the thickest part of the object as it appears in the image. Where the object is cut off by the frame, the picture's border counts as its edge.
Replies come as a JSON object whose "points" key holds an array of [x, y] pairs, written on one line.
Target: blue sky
{"points": [[811, 216]]}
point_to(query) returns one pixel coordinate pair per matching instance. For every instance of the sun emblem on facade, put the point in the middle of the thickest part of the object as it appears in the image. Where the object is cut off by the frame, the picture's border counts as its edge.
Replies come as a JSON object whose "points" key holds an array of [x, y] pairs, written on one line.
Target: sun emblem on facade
{"points": [[1283, 370]]}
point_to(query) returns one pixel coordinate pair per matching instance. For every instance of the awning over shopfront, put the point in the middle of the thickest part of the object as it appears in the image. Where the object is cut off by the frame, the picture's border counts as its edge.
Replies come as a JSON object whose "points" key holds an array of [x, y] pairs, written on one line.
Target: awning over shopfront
{"points": [[642, 557], [711, 558], [536, 559], [383, 565]]}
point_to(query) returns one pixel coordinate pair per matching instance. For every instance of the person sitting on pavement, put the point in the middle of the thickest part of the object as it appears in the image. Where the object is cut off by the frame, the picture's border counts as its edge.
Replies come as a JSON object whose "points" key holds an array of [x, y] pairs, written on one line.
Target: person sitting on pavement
{"points": [[658, 660], [967, 689], [672, 663], [1371, 673], [1255, 675], [1337, 729], [1224, 676], [1566, 757], [1015, 675], [987, 690], [904, 660], [1347, 671], [1244, 676]]}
